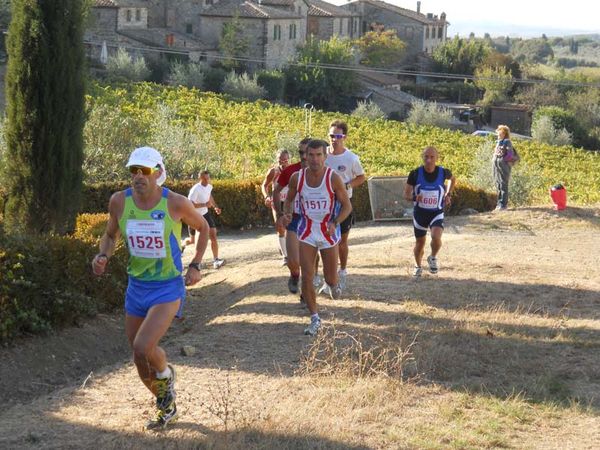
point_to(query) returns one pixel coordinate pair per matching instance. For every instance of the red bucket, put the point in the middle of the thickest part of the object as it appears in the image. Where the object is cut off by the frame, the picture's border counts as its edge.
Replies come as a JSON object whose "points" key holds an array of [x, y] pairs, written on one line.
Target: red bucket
{"points": [[558, 193]]}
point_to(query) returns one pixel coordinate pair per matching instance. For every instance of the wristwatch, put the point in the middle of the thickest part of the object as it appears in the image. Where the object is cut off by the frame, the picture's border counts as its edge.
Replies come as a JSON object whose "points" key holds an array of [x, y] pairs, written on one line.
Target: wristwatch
{"points": [[195, 266]]}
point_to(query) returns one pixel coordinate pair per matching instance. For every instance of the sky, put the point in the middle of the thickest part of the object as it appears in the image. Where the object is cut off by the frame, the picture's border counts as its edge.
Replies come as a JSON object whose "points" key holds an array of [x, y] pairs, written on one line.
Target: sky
{"points": [[525, 18]]}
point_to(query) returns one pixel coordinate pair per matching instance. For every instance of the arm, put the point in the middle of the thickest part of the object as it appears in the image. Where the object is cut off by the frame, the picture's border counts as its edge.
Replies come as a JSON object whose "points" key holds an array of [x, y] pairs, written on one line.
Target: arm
{"points": [[188, 214], [356, 182], [212, 203], [409, 191], [341, 195], [291, 195], [277, 199], [265, 186], [449, 189], [359, 173], [111, 235]]}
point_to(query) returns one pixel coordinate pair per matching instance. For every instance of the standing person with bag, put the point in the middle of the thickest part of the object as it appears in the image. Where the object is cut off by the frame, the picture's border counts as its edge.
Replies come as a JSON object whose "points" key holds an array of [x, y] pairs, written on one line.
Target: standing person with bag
{"points": [[504, 158]]}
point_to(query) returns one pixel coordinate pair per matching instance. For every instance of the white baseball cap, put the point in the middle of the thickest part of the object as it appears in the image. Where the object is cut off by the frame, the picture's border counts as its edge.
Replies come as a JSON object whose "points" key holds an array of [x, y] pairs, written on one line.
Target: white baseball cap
{"points": [[148, 157]]}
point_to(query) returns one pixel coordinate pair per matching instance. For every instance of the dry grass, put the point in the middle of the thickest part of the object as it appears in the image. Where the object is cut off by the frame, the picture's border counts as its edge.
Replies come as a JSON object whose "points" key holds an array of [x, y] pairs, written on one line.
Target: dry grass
{"points": [[500, 350]]}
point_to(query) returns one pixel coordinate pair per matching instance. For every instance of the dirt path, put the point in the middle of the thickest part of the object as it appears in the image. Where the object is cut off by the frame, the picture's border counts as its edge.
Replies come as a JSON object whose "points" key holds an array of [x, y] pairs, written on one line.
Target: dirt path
{"points": [[515, 308]]}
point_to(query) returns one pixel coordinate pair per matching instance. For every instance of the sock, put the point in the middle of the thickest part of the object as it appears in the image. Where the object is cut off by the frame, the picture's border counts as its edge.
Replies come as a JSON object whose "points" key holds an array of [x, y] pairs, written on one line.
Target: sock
{"points": [[342, 272], [295, 275], [314, 316], [282, 246], [164, 374]]}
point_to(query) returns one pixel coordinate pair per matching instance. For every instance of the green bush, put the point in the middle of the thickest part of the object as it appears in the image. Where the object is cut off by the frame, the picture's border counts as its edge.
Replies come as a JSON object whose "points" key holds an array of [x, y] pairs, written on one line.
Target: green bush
{"points": [[47, 281], [243, 87], [123, 67], [368, 110], [187, 74], [273, 81], [561, 118], [429, 113], [214, 78]]}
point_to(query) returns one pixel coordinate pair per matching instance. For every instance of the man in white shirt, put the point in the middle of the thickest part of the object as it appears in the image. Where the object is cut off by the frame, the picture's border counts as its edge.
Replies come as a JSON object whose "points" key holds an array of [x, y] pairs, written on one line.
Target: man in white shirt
{"points": [[348, 166], [201, 197]]}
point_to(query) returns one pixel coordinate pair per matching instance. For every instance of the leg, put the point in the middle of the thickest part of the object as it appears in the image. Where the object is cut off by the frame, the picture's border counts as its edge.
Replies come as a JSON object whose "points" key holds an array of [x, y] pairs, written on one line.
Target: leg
{"points": [[149, 358], [308, 254], [436, 240], [343, 250], [214, 245], [330, 259], [292, 246], [419, 249]]}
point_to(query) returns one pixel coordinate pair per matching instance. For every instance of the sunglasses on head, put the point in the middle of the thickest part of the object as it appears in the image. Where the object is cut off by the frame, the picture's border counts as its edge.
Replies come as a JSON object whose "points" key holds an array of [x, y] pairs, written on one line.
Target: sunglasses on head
{"points": [[337, 136], [143, 169]]}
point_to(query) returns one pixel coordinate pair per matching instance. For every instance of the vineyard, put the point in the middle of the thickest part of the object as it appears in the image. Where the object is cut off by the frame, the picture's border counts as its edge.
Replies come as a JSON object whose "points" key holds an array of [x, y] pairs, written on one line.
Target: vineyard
{"points": [[238, 139]]}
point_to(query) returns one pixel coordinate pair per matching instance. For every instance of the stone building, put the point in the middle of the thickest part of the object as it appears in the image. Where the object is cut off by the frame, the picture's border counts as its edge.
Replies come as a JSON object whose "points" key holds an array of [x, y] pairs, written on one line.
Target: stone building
{"points": [[326, 20], [421, 32]]}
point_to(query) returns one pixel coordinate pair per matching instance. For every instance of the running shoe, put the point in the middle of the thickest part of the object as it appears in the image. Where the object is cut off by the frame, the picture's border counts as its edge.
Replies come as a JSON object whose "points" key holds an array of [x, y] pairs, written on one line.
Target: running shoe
{"points": [[218, 262], [165, 390], [317, 280], [313, 328], [324, 289], [417, 272], [335, 292], [163, 418], [342, 275], [293, 284], [433, 264]]}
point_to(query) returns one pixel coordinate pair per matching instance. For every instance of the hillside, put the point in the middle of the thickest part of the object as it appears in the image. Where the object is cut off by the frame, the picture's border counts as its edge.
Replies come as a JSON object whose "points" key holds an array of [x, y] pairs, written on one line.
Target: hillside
{"points": [[238, 139]]}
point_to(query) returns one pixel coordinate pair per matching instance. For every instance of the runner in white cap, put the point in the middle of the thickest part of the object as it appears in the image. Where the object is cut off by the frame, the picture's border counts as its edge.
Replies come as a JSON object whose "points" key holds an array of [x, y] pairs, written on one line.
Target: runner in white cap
{"points": [[149, 218]]}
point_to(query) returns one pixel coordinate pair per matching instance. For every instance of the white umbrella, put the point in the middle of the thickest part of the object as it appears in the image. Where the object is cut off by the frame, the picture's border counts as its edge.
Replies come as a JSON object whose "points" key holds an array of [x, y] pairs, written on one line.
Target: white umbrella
{"points": [[104, 53]]}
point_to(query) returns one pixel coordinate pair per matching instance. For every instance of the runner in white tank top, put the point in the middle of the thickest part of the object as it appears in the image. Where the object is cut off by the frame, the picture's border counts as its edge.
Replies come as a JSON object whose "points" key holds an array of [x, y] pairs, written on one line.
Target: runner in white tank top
{"points": [[318, 207], [319, 189]]}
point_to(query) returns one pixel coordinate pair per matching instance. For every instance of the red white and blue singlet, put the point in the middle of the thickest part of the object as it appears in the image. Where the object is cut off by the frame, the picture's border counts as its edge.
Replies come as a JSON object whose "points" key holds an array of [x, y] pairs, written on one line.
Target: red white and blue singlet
{"points": [[318, 207]]}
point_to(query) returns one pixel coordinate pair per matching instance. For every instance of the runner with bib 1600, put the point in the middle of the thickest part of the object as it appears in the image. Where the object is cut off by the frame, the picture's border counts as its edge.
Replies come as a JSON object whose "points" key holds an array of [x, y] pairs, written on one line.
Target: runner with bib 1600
{"points": [[426, 187]]}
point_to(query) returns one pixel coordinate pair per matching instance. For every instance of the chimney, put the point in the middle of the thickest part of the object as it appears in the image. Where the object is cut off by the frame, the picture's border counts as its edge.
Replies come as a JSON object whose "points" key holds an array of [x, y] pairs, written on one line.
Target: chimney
{"points": [[418, 7]]}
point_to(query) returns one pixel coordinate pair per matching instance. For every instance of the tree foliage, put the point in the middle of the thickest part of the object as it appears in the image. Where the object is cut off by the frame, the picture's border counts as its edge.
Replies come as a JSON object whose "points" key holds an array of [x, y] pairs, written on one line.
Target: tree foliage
{"points": [[496, 82], [380, 48], [233, 43], [45, 115], [460, 56], [532, 50], [311, 80]]}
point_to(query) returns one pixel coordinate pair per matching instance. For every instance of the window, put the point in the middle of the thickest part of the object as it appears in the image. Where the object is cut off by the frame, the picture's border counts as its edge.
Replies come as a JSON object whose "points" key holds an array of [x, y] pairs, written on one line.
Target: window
{"points": [[277, 33], [364, 27], [128, 15], [410, 32], [349, 26], [208, 2], [440, 32], [341, 26], [293, 31], [138, 15], [189, 28], [354, 25], [427, 33]]}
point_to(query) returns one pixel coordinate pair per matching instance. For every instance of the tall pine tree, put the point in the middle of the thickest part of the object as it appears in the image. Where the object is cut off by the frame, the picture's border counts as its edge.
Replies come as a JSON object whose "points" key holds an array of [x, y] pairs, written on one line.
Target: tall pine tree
{"points": [[45, 115]]}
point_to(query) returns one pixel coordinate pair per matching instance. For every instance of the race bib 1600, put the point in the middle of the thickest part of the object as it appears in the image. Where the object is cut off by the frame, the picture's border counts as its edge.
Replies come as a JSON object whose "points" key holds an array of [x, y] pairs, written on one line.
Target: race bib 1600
{"points": [[145, 238], [430, 199]]}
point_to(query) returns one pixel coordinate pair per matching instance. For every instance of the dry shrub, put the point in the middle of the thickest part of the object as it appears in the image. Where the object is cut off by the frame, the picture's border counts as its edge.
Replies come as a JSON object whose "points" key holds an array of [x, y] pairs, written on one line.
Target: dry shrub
{"points": [[364, 355]]}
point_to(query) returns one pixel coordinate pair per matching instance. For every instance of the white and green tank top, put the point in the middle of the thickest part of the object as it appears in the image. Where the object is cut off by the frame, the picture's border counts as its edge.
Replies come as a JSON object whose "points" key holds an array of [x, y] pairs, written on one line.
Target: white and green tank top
{"points": [[153, 240]]}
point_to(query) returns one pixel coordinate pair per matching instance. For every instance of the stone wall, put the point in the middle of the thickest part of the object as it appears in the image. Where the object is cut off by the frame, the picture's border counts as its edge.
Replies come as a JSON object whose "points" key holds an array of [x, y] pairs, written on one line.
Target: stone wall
{"points": [[132, 18], [278, 52]]}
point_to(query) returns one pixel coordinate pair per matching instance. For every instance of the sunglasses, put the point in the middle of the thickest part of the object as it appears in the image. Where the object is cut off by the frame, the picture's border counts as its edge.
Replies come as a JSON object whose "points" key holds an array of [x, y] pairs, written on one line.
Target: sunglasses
{"points": [[145, 170], [337, 136]]}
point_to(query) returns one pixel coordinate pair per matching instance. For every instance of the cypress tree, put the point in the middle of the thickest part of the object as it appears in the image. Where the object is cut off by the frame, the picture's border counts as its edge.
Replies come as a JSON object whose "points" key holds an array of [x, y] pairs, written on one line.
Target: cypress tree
{"points": [[45, 115]]}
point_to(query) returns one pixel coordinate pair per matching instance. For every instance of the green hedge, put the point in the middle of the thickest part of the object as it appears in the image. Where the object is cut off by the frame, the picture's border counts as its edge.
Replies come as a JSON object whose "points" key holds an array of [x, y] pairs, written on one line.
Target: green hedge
{"points": [[243, 206], [47, 281]]}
